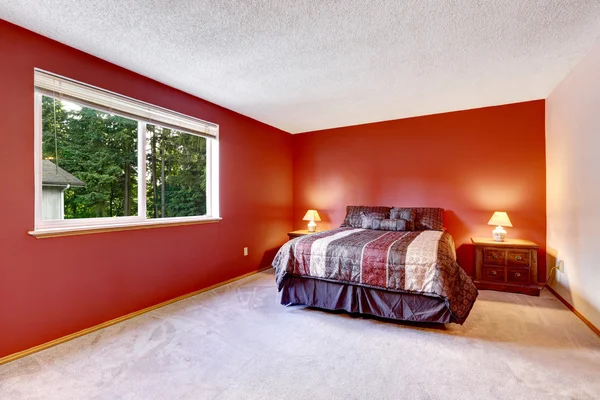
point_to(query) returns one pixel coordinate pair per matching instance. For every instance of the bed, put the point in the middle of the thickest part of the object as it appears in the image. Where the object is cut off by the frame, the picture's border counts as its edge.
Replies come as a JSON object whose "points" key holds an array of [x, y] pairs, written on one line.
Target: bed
{"points": [[380, 262]]}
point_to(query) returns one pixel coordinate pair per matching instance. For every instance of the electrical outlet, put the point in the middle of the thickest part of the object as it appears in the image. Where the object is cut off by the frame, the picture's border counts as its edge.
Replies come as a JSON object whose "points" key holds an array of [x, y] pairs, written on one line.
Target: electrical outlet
{"points": [[560, 264], [245, 251]]}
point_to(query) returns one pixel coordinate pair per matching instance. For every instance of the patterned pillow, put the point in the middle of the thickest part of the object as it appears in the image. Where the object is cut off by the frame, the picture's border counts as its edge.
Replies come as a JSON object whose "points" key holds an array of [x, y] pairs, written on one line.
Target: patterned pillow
{"points": [[426, 218], [402, 213], [391, 224], [353, 214], [367, 219]]}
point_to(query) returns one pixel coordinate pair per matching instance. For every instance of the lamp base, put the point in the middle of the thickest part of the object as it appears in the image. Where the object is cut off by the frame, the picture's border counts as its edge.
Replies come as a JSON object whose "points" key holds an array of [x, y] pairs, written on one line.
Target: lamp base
{"points": [[499, 234], [312, 227]]}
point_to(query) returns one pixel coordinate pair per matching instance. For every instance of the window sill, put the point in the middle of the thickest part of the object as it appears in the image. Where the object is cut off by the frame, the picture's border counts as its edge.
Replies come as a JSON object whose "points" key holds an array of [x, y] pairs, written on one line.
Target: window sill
{"points": [[87, 230]]}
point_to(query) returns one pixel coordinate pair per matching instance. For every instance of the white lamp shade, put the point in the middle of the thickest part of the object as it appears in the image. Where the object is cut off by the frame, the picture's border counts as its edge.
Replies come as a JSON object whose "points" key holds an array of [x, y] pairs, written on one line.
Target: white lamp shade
{"points": [[500, 218], [312, 215]]}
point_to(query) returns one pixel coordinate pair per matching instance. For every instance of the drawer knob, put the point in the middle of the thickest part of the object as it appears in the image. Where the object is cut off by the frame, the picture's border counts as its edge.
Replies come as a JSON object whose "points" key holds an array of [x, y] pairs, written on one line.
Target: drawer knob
{"points": [[494, 273], [517, 274], [518, 258], [494, 255]]}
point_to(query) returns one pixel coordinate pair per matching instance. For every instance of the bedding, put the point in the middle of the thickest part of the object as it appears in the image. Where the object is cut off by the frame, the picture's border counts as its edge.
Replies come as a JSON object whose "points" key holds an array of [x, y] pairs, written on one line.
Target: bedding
{"points": [[407, 214], [367, 219], [354, 214], [390, 225], [406, 262], [365, 300], [425, 218]]}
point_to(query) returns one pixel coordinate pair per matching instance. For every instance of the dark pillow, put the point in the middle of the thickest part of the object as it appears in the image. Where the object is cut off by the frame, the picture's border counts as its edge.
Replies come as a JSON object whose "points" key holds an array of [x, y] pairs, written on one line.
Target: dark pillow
{"points": [[426, 218], [367, 219], [353, 214], [404, 213], [391, 224]]}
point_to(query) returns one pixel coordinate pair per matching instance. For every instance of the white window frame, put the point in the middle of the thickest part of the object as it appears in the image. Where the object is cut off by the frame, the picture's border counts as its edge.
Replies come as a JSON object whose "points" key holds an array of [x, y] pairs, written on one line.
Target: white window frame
{"points": [[48, 84]]}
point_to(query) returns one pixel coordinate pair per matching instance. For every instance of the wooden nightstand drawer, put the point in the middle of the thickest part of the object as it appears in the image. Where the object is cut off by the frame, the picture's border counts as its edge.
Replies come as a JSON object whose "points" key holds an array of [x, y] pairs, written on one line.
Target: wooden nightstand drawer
{"points": [[518, 258], [509, 266], [518, 275], [493, 274], [493, 256]]}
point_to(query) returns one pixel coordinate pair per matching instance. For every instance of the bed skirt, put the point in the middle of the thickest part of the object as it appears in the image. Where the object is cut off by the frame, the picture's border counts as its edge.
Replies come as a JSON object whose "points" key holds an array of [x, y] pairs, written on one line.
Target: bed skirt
{"points": [[357, 299]]}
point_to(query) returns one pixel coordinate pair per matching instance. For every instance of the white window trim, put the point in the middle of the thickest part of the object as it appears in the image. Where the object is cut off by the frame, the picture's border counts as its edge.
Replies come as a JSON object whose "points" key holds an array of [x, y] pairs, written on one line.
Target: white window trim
{"points": [[48, 228]]}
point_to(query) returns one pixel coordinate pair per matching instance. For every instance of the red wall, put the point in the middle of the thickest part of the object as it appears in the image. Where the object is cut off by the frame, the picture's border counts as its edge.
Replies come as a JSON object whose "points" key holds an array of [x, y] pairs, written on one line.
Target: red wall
{"points": [[53, 287], [471, 163]]}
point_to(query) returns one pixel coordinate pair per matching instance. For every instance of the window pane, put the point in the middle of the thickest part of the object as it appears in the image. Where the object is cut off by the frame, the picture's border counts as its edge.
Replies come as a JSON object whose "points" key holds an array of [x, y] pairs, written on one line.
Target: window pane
{"points": [[89, 166], [175, 173]]}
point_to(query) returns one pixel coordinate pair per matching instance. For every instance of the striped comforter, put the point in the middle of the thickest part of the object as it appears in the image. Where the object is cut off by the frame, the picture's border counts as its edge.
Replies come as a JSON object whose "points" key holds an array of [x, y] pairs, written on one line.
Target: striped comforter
{"points": [[422, 262]]}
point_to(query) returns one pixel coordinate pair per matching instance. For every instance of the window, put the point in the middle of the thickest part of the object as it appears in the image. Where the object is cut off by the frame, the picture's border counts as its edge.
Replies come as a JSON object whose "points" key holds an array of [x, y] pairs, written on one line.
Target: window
{"points": [[105, 160]]}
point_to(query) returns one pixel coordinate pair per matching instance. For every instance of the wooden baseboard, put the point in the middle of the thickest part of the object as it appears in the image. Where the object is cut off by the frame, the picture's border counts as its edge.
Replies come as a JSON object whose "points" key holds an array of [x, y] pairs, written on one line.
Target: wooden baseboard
{"points": [[570, 307], [44, 346]]}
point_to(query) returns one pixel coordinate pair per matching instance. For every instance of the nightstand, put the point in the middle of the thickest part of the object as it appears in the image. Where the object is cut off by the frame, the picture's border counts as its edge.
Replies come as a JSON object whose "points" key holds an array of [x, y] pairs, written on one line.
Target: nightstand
{"points": [[301, 232], [509, 266]]}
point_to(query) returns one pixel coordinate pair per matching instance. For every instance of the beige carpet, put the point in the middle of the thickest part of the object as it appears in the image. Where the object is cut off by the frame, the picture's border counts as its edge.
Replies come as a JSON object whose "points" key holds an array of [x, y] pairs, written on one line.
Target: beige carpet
{"points": [[237, 342]]}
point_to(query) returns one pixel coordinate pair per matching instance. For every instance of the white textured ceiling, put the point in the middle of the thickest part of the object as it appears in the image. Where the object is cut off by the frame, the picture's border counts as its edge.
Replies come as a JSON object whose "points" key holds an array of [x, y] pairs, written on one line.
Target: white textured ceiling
{"points": [[303, 65]]}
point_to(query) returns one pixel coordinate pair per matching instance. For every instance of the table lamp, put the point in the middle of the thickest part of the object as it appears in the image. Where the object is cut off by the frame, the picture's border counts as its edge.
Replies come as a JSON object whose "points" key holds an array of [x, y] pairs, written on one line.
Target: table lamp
{"points": [[312, 216], [500, 219]]}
